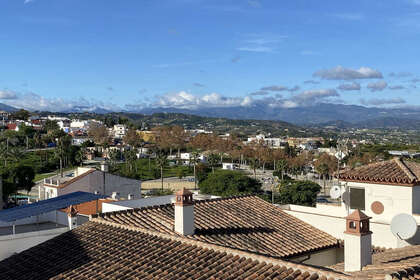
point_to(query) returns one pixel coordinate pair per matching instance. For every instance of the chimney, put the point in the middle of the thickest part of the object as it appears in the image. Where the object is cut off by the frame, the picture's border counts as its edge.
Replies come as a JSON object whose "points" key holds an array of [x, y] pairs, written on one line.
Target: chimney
{"points": [[184, 212], [72, 217], [104, 166], [116, 195], [357, 242], [130, 196]]}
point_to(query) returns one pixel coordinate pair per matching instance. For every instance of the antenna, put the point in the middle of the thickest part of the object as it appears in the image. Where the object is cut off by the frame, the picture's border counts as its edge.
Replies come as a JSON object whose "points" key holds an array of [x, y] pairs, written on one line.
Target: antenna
{"points": [[403, 226], [345, 196], [335, 192]]}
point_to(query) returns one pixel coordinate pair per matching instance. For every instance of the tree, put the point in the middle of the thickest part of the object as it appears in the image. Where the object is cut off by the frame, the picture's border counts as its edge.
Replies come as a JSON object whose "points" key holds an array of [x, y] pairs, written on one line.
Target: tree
{"points": [[99, 133], [15, 154], [299, 192], [17, 177], [282, 166], [62, 150], [180, 173], [213, 160], [229, 183], [161, 162], [132, 138], [254, 164], [194, 159], [130, 158], [325, 165], [51, 125], [20, 115]]}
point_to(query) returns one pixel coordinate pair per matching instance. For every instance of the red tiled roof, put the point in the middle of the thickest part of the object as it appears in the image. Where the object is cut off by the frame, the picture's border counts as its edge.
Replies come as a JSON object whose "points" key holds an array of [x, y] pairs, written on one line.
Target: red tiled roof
{"points": [[246, 223], [99, 250], [401, 263], [90, 207], [395, 172]]}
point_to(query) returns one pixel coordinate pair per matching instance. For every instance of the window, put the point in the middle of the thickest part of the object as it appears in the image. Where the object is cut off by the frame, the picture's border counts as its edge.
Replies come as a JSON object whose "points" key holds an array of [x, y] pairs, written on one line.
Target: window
{"points": [[357, 198]]}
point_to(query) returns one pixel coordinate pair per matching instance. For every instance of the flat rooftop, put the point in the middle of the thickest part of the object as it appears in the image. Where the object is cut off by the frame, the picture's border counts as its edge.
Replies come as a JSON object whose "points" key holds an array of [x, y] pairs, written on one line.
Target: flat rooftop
{"points": [[29, 228]]}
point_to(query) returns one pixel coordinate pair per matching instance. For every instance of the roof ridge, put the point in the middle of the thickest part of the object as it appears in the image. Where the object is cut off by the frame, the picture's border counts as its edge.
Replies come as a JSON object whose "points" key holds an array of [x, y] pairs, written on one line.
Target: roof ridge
{"points": [[227, 250], [406, 170], [161, 206]]}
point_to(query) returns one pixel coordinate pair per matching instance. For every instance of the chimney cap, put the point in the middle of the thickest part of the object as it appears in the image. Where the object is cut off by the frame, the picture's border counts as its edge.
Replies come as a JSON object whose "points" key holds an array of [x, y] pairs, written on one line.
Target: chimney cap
{"points": [[184, 191], [358, 215], [184, 197]]}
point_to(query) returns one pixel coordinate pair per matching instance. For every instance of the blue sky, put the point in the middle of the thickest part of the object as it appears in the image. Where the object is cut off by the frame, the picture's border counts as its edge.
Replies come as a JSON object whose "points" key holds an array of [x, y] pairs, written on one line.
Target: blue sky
{"points": [[55, 54]]}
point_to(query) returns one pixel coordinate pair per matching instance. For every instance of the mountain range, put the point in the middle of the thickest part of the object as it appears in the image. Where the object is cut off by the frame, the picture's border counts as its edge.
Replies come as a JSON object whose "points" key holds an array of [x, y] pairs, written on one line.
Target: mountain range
{"points": [[318, 115]]}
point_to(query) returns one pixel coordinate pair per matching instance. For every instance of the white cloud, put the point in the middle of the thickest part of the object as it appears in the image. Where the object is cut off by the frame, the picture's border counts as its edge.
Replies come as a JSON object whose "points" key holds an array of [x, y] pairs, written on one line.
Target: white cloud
{"points": [[34, 102], [348, 87], [260, 43], [28, 1], [342, 73], [280, 88], [308, 97], [396, 87], [187, 100], [7, 94], [377, 86]]}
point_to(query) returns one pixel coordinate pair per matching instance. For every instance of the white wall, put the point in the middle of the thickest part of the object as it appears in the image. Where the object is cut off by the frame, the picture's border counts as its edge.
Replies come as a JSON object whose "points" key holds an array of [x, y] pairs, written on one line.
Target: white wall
{"points": [[336, 225], [113, 183]]}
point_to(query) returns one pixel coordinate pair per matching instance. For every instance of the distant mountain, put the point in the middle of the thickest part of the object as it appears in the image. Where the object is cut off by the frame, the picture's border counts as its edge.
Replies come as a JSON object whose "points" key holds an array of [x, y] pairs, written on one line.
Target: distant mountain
{"points": [[7, 108], [319, 113], [88, 109]]}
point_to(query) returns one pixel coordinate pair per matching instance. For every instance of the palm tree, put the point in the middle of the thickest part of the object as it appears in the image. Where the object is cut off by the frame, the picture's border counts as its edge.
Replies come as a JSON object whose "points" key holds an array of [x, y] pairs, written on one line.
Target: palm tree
{"points": [[80, 156], [161, 161], [15, 154], [254, 164], [323, 170], [194, 159], [213, 160], [282, 166], [3, 153]]}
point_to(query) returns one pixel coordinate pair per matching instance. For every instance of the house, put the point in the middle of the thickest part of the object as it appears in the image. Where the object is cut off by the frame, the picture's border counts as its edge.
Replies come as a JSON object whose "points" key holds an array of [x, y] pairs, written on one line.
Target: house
{"points": [[382, 190], [12, 126], [119, 131], [93, 181], [25, 226], [230, 238], [228, 166]]}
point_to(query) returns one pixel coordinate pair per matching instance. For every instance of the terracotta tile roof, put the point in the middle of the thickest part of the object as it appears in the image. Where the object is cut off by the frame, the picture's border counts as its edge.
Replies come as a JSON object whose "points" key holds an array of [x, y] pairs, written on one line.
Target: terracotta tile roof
{"points": [[246, 223], [395, 172], [90, 207], [401, 263], [99, 250]]}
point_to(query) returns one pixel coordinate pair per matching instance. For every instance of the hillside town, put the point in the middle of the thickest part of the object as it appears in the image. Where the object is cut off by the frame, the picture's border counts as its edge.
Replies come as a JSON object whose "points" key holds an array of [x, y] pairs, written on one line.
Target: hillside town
{"points": [[209, 140], [293, 207]]}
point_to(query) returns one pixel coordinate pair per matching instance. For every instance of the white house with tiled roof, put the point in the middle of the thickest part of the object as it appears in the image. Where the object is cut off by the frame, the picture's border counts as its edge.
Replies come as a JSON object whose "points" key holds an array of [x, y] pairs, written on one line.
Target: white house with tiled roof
{"points": [[382, 190], [93, 181]]}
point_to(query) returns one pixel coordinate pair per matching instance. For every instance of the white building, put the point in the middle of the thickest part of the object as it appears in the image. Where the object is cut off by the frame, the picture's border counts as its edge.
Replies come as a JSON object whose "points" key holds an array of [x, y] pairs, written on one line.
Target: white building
{"points": [[269, 141], [90, 180], [119, 131], [381, 190]]}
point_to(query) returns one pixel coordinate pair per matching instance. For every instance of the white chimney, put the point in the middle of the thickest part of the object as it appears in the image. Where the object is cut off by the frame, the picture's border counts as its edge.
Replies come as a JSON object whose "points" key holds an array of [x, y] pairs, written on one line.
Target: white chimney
{"points": [[184, 212], [72, 217], [115, 195], [130, 196], [357, 242], [104, 166]]}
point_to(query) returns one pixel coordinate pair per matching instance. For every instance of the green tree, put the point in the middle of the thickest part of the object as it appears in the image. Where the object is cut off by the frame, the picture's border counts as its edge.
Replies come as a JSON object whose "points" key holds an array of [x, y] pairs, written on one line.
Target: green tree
{"points": [[229, 183], [161, 162], [213, 160], [194, 159], [254, 164], [281, 168], [180, 173], [21, 114], [51, 125], [299, 192]]}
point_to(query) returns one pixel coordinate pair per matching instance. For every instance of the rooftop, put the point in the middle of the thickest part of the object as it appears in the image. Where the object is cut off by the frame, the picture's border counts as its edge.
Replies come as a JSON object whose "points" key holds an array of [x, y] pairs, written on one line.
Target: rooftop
{"points": [[246, 223], [394, 172], [101, 250], [401, 263]]}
